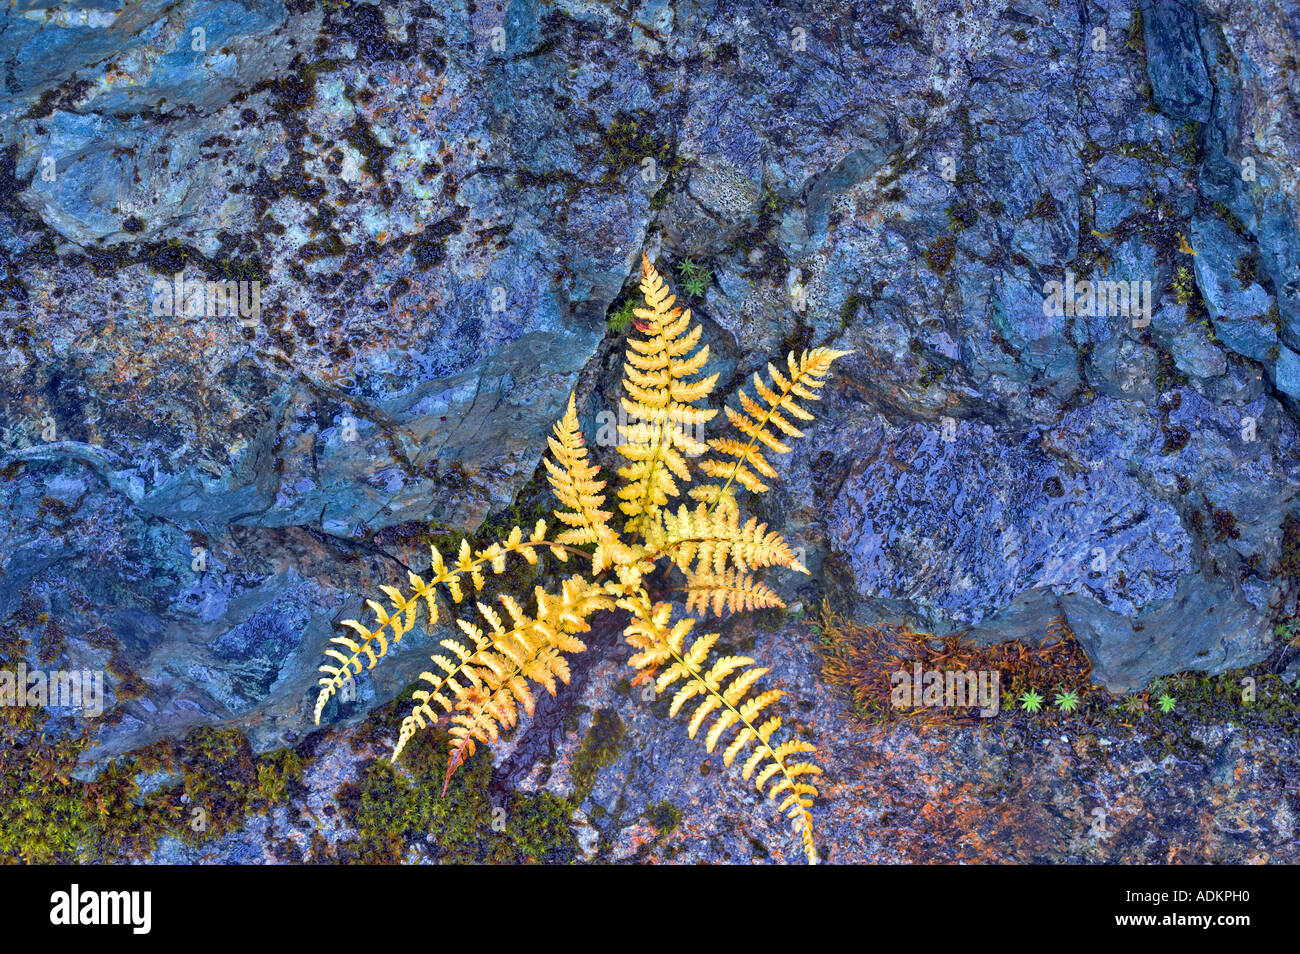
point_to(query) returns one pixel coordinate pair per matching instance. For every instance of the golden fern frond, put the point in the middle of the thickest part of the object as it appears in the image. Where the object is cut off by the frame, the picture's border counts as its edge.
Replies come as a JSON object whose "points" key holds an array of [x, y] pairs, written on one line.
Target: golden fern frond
{"points": [[742, 461], [709, 537], [526, 654], [574, 481], [730, 590], [573, 478], [723, 693], [400, 616], [483, 684], [659, 398]]}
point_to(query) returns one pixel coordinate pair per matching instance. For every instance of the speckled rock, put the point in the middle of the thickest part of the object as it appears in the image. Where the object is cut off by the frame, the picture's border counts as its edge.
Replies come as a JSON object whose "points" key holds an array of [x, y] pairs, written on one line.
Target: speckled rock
{"points": [[437, 206]]}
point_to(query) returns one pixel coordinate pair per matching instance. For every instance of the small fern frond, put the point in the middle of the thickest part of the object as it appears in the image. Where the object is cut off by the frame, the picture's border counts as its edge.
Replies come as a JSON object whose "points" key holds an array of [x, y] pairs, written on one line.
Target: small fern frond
{"points": [[710, 539], [400, 616], [759, 421], [574, 480], [730, 590], [371, 645], [660, 398], [483, 684], [723, 690]]}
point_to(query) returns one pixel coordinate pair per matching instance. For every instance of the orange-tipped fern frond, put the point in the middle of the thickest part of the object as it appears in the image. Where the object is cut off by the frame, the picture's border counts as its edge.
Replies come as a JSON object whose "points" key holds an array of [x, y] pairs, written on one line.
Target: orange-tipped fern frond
{"points": [[371, 645], [482, 684]]}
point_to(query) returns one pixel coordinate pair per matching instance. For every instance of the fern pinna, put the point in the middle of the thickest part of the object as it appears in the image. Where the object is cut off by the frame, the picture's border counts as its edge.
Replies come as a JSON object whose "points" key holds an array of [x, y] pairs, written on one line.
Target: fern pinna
{"points": [[484, 675]]}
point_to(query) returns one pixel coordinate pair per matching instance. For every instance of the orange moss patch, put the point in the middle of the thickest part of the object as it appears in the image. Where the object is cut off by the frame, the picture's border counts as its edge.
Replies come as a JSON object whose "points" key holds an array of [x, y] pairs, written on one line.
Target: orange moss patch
{"points": [[860, 660]]}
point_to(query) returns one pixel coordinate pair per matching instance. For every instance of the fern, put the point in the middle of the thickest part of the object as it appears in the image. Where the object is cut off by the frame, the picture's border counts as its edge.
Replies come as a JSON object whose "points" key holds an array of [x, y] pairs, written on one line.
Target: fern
{"points": [[485, 676], [660, 397], [733, 703], [802, 380]]}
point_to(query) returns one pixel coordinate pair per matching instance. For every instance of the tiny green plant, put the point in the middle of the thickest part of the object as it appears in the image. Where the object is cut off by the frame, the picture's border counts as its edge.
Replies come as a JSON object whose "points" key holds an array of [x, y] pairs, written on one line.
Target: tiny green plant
{"points": [[621, 318], [1166, 702], [1134, 705], [1067, 701], [695, 278], [1031, 701], [687, 268]]}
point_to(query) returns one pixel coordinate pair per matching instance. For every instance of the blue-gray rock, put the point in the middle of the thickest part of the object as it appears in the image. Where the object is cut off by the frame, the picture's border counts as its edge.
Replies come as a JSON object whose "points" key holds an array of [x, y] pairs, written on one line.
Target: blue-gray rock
{"points": [[1175, 63], [439, 222], [1239, 307], [1287, 373]]}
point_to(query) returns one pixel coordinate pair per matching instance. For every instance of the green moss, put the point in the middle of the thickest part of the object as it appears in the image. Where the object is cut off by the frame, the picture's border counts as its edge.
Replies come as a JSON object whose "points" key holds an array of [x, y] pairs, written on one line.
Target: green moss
{"points": [[931, 374], [47, 816], [394, 808], [665, 816], [1137, 39], [633, 137], [1184, 286], [1247, 270], [961, 215], [599, 749], [1289, 564], [620, 318], [1234, 223], [1187, 143]]}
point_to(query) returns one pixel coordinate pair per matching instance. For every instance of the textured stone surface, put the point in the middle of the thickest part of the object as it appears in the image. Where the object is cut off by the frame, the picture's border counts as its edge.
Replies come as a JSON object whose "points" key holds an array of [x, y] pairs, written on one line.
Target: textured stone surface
{"points": [[441, 202]]}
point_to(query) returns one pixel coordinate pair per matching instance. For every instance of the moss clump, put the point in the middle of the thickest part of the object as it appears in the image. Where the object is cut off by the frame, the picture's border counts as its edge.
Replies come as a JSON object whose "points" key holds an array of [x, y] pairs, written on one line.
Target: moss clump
{"points": [[939, 255], [962, 215], [222, 777], [620, 318], [931, 374], [1187, 143], [599, 749], [395, 808], [1289, 563], [665, 816], [47, 816], [1247, 270], [1137, 38], [632, 138]]}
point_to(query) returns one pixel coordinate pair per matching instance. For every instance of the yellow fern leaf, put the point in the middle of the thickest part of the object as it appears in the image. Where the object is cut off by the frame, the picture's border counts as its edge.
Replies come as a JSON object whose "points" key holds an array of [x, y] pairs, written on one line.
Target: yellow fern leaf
{"points": [[649, 633], [659, 399], [487, 682], [740, 462], [730, 590], [400, 616], [713, 538], [574, 481]]}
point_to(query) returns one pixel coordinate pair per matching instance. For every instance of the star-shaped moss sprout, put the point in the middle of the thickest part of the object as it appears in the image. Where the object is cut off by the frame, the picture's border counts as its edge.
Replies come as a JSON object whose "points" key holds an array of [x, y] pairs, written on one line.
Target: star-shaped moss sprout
{"points": [[1031, 701], [1067, 701]]}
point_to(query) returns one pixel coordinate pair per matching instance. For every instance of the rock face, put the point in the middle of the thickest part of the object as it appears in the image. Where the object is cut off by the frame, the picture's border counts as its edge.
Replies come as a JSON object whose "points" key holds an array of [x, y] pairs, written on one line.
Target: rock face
{"points": [[432, 207]]}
